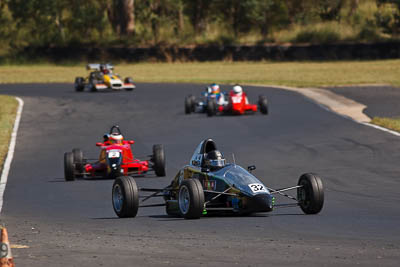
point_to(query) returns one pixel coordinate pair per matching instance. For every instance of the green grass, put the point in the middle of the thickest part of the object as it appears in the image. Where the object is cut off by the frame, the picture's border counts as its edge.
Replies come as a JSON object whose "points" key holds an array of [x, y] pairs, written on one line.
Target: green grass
{"points": [[389, 123], [8, 110], [299, 74]]}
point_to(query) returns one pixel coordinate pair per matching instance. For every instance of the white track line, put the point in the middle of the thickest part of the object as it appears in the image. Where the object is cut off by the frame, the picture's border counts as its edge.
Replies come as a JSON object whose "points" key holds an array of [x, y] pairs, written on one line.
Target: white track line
{"points": [[10, 154], [380, 128]]}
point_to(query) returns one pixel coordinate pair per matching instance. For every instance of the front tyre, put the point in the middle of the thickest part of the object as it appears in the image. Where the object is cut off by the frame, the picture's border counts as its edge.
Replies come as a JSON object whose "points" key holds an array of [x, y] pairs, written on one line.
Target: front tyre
{"points": [[159, 160], [125, 197], [211, 107], [79, 84], [191, 199], [129, 80], [263, 104], [69, 168], [188, 104], [311, 194], [78, 160]]}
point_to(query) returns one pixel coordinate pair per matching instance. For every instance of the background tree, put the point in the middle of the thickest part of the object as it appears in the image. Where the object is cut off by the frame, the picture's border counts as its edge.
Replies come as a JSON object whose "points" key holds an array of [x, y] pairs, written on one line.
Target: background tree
{"points": [[121, 14], [330, 9], [270, 14], [198, 12]]}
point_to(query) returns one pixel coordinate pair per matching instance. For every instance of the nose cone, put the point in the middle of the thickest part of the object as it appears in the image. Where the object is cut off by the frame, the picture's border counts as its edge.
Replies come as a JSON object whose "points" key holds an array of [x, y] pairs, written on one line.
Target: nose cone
{"points": [[261, 203], [237, 108]]}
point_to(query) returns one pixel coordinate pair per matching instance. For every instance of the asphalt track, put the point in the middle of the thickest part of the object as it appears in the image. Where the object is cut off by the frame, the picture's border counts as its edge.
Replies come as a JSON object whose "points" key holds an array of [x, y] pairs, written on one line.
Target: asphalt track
{"points": [[73, 224], [381, 101]]}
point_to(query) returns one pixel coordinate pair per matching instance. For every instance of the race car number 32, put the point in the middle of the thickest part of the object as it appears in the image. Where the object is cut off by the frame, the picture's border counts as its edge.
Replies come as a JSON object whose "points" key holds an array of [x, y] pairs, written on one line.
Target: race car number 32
{"points": [[257, 188], [113, 154]]}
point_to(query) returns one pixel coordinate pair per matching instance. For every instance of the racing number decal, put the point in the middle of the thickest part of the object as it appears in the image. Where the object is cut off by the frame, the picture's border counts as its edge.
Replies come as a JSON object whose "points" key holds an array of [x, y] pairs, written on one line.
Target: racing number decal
{"points": [[257, 188], [113, 154]]}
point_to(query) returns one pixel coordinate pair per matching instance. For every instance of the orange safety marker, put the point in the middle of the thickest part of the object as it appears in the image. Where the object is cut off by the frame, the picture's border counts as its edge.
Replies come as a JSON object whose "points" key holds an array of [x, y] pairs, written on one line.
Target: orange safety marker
{"points": [[6, 258]]}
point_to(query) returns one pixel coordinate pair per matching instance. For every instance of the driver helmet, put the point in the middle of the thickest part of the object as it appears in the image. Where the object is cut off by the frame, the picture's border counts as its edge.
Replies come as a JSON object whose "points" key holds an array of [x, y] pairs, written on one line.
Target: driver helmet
{"points": [[214, 88], [214, 160], [237, 89], [103, 69], [115, 138]]}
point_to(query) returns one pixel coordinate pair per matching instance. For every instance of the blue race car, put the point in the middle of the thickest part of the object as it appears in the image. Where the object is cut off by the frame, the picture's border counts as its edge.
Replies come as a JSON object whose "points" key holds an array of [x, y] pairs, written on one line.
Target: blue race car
{"points": [[209, 185], [199, 105]]}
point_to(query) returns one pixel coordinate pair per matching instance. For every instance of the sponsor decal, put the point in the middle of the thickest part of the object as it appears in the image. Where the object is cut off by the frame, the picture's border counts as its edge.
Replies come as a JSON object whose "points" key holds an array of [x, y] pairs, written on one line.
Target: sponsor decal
{"points": [[210, 184]]}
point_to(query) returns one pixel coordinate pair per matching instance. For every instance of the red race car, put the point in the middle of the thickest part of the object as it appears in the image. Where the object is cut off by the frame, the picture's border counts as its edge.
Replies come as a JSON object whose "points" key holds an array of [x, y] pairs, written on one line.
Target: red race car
{"points": [[116, 159], [237, 104]]}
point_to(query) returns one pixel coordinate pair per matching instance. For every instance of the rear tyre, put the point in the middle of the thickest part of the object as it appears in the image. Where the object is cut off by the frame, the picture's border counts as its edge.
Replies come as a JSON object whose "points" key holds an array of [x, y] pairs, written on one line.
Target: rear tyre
{"points": [[311, 194], [79, 84], [129, 80], [159, 160], [211, 108], [263, 104], [125, 197], [69, 168], [188, 104], [78, 161], [191, 199]]}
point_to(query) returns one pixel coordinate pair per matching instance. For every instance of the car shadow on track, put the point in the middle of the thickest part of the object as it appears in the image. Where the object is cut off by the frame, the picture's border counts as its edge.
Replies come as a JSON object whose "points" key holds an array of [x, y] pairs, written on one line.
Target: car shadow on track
{"points": [[105, 218], [62, 180], [168, 218], [174, 218]]}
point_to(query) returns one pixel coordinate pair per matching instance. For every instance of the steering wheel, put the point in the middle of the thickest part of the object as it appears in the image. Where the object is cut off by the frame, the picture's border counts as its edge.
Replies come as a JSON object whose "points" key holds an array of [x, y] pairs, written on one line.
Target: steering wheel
{"points": [[115, 128]]}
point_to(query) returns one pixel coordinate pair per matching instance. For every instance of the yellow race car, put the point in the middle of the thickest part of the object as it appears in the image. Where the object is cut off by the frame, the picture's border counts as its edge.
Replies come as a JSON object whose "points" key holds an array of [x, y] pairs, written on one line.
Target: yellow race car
{"points": [[101, 77]]}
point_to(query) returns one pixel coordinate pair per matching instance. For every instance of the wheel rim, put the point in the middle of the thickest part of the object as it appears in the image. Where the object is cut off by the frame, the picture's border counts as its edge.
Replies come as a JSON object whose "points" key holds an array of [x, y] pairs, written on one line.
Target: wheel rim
{"points": [[184, 199], [118, 198], [304, 195]]}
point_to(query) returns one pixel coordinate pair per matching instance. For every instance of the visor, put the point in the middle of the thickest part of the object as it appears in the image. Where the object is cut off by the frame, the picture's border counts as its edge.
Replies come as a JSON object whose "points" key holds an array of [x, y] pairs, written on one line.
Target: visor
{"points": [[217, 162]]}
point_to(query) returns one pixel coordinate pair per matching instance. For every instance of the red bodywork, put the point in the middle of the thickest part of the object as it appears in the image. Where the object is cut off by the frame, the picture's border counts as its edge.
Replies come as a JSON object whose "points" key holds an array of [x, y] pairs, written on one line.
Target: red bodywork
{"points": [[238, 104], [129, 164]]}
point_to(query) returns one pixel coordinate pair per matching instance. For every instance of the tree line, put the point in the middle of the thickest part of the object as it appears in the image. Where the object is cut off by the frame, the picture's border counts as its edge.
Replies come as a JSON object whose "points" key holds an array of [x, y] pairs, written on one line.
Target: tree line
{"points": [[55, 22]]}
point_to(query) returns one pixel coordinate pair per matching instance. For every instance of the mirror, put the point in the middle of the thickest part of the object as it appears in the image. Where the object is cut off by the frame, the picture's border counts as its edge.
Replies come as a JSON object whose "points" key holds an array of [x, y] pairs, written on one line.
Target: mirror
{"points": [[99, 144], [131, 142], [205, 169], [251, 168]]}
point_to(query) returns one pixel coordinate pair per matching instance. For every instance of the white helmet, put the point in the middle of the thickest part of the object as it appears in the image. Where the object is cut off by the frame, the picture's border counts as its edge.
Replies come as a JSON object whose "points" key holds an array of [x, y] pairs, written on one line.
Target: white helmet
{"points": [[237, 89], [115, 138]]}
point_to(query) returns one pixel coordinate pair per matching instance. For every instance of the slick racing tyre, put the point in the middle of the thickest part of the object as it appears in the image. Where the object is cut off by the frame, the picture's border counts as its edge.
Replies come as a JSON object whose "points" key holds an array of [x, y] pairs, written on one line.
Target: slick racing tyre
{"points": [[78, 161], [79, 84], [263, 104], [125, 197], [191, 199], [129, 80], [92, 84], [188, 104], [158, 159], [211, 108], [311, 194], [69, 168]]}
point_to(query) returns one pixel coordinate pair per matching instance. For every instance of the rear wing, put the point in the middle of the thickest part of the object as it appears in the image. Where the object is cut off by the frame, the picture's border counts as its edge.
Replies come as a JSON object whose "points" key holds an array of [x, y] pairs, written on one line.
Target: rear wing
{"points": [[96, 66]]}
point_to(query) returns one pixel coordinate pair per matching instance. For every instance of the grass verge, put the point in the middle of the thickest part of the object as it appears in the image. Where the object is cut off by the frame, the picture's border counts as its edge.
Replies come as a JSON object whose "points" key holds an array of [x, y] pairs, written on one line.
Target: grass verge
{"points": [[299, 74], [8, 110], [389, 123]]}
